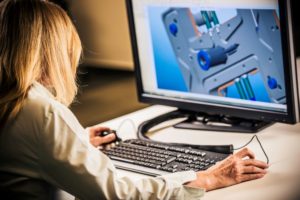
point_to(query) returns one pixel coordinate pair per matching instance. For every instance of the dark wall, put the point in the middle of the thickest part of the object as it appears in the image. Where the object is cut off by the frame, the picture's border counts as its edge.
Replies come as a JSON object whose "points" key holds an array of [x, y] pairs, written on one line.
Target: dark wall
{"points": [[61, 3]]}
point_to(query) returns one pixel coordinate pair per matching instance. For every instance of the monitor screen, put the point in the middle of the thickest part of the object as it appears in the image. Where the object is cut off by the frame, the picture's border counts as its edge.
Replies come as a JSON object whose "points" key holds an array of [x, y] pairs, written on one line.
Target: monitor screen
{"points": [[218, 56]]}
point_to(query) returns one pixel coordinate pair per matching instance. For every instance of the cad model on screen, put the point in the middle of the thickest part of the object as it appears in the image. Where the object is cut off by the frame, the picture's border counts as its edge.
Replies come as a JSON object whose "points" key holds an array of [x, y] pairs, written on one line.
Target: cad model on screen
{"points": [[228, 52]]}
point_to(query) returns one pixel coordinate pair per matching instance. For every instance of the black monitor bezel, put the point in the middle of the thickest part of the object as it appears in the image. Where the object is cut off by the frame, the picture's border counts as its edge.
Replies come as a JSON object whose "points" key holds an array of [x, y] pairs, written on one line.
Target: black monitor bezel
{"points": [[248, 113]]}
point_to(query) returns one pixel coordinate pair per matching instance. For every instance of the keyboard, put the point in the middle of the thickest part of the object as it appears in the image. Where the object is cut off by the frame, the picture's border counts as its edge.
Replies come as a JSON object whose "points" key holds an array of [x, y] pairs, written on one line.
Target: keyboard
{"points": [[155, 158]]}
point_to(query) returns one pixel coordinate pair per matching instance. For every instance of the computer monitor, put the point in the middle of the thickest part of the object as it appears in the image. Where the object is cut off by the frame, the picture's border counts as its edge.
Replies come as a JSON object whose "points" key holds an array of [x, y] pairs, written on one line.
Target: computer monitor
{"points": [[296, 26], [230, 61]]}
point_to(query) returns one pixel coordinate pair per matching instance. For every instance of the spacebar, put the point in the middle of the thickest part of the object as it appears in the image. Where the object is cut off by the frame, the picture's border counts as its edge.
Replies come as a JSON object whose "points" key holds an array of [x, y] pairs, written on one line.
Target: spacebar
{"points": [[121, 159]]}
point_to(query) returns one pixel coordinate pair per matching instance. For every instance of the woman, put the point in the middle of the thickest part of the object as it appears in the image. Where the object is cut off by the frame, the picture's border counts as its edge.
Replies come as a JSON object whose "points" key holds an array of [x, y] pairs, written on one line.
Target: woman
{"points": [[42, 145]]}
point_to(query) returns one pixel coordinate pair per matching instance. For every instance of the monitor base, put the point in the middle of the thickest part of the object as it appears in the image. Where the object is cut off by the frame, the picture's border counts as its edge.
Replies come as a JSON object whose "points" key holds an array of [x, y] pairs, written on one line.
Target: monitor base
{"points": [[204, 121], [201, 121]]}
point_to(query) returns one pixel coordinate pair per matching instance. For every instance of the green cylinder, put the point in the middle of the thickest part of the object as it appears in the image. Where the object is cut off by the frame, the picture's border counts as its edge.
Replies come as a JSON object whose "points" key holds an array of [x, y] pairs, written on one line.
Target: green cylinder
{"points": [[214, 17], [206, 19], [248, 87], [240, 88]]}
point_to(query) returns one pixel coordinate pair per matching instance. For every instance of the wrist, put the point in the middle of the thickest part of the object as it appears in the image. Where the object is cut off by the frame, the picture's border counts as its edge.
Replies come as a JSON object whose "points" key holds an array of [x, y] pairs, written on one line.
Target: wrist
{"points": [[208, 180], [204, 180]]}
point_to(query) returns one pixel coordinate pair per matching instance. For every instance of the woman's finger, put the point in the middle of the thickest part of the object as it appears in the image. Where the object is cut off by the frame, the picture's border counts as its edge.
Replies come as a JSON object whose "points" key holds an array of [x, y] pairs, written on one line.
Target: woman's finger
{"points": [[253, 170], [100, 128], [108, 138], [97, 141], [95, 130], [256, 163], [245, 153]]}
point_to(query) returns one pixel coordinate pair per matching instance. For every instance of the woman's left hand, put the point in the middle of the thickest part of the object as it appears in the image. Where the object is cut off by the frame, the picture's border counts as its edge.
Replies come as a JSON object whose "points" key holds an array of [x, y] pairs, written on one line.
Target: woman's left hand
{"points": [[96, 139], [239, 167]]}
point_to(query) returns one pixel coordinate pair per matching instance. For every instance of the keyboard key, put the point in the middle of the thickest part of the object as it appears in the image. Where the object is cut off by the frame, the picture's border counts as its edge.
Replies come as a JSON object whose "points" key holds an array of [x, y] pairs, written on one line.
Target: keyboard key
{"points": [[171, 159], [121, 159]]}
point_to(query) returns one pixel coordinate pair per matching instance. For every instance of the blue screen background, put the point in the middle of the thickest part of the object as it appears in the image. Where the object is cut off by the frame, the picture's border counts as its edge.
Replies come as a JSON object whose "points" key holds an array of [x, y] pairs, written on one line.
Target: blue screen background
{"points": [[168, 73]]}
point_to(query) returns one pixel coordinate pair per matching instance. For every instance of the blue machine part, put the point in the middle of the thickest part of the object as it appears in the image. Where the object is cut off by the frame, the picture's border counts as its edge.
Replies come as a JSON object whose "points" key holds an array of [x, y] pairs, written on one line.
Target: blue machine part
{"points": [[173, 29], [272, 82], [211, 57], [214, 56], [204, 60]]}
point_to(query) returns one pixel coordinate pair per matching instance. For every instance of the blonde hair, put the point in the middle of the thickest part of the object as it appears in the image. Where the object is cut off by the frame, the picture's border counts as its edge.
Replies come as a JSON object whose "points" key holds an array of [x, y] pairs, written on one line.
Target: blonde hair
{"points": [[38, 42]]}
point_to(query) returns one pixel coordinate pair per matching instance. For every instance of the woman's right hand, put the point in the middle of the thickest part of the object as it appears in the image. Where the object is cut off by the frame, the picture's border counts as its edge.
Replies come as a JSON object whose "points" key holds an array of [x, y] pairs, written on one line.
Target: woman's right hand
{"points": [[237, 168], [98, 140]]}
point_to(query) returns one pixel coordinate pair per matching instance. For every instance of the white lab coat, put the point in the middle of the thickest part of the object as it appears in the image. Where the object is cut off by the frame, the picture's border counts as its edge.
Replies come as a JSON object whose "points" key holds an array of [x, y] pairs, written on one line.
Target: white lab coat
{"points": [[45, 148]]}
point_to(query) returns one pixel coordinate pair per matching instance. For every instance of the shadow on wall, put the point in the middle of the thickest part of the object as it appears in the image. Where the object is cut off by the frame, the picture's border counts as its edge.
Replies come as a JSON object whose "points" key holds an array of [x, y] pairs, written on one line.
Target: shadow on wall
{"points": [[103, 29], [104, 95]]}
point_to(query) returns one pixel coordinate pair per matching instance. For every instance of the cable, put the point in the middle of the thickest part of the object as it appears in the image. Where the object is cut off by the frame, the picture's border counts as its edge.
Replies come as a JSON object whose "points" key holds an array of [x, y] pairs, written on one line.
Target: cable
{"points": [[147, 125], [246, 143], [261, 146], [124, 121]]}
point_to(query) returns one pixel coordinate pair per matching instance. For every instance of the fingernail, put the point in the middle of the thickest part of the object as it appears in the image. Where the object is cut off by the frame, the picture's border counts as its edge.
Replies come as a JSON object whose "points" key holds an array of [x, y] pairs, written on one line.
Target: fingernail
{"points": [[267, 166]]}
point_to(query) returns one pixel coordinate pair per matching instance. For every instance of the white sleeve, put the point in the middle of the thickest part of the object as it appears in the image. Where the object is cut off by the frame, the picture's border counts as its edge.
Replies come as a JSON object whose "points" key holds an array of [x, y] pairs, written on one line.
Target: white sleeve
{"points": [[70, 162]]}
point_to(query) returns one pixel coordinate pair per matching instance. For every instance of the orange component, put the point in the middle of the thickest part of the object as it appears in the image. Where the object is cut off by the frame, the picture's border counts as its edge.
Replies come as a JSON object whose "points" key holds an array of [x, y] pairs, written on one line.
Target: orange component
{"points": [[224, 87], [194, 23], [276, 19]]}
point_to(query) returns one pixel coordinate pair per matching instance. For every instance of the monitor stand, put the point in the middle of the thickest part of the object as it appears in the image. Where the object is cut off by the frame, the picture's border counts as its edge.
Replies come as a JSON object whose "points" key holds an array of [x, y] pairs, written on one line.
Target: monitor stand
{"points": [[204, 121]]}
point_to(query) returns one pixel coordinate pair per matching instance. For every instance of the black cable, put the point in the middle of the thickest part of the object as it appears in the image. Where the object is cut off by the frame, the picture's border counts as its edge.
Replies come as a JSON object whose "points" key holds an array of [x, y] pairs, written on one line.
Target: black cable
{"points": [[147, 125], [227, 149], [246, 143], [261, 146]]}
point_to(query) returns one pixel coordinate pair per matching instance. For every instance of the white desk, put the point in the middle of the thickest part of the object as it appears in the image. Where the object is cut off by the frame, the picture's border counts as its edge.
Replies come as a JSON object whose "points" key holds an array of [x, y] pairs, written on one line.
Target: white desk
{"points": [[281, 142]]}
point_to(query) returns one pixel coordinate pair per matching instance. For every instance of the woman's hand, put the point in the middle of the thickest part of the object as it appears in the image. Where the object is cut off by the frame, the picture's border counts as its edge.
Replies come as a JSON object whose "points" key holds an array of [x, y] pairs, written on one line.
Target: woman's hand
{"points": [[237, 168], [96, 139]]}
